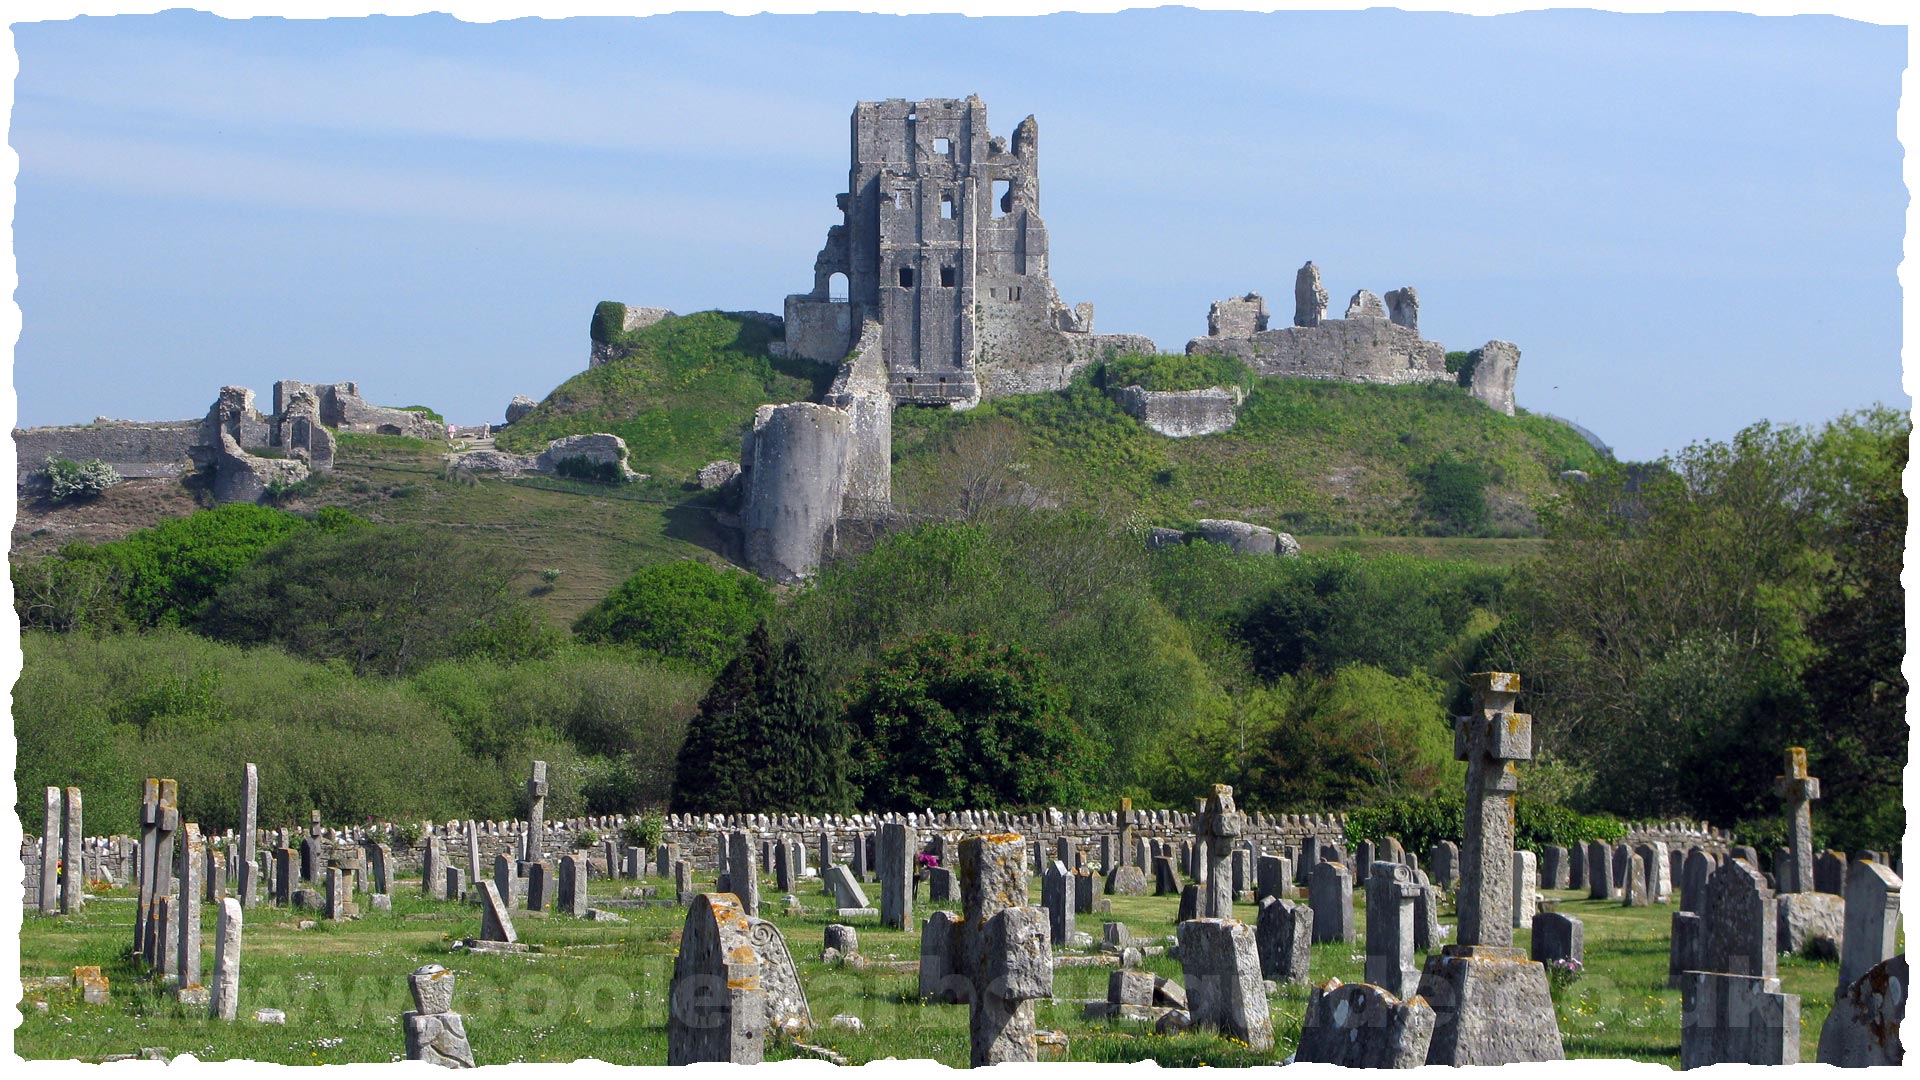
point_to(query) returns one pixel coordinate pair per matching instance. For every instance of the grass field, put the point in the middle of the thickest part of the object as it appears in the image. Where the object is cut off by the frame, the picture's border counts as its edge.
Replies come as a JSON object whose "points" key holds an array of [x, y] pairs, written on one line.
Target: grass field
{"points": [[598, 990]]}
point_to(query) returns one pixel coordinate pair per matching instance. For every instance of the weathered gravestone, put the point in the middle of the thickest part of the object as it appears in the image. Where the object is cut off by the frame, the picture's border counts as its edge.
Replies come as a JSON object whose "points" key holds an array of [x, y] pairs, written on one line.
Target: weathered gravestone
{"points": [[224, 1001], [1427, 932], [847, 892], [1636, 883], [1600, 884], [249, 886], [786, 876], [185, 942], [73, 859], [1215, 828], [1553, 867], [1526, 889], [1732, 1010], [1491, 1004], [1654, 869], [1694, 872], [505, 878], [899, 842], [1864, 1027], [1056, 896], [1797, 790], [1558, 936], [1271, 877], [50, 855], [433, 870], [994, 957], [378, 858], [1830, 873], [572, 891], [1189, 903], [1330, 894], [1166, 876], [536, 813], [1443, 864], [540, 885], [434, 1032], [1283, 936], [1390, 965], [683, 883], [743, 882], [1872, 920], [1364, 1027], [1221, 969], [496, 921], [159, 817], [1809, 922]]}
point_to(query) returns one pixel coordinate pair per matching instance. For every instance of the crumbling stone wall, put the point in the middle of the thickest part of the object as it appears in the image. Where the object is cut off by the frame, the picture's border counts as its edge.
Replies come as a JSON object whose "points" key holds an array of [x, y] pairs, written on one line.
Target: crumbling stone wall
{"points": [[1489, 373], [943, 245], [793, 474], [167, 448], [1180, 414], [342, 407]]}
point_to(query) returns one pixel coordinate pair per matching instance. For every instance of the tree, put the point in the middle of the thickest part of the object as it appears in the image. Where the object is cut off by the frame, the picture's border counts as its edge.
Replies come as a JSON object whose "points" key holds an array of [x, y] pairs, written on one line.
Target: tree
{"points": [[768, 737], [1356, 736], [948, 721], [387, 600], [682, 611]]}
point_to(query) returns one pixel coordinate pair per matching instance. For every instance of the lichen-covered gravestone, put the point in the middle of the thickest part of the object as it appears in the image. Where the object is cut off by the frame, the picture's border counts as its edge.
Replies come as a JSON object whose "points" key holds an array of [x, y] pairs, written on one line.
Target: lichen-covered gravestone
{"points": [[1491, 1004], [1364, 1027], [1283, 936], [1390, 955], [224, 1001], [994, 958], [1215, 828], [435, 1033], [1330, 892], [717, 1003], [1864, 1027], [1732, 1010]]}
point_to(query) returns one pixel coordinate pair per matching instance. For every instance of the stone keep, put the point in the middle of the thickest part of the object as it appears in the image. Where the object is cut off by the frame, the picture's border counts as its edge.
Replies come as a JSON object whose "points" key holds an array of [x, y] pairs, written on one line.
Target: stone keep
{"points": [[1364, 1027], [1390, 957], [434, 1032], [1283, 936], [1221, 969], [994, 958], [1491, 1004], [1797, 790]]}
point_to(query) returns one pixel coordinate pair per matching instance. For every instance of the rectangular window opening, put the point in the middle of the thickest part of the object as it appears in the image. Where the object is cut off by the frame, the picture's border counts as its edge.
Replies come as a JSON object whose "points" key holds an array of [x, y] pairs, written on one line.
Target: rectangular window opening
{"points": [[1002, 197], [946, 205], [943, 147], [946, 277], [906, 277]]}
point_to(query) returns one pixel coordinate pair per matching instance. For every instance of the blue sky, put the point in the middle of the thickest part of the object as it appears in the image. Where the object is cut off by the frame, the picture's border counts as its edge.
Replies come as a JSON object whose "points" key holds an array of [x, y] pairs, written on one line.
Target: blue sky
{"points": [[1686, 222]]}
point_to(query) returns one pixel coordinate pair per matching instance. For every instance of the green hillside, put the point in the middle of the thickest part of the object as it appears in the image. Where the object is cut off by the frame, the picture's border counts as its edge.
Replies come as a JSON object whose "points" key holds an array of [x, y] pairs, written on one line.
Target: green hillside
{"points": [[1306, 457], [682, 395]]}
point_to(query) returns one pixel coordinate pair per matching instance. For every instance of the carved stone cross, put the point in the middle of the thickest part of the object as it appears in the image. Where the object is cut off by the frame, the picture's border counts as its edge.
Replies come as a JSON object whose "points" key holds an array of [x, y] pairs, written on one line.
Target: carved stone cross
{"points": [[1490, 740], [996, 958], [1129, 817], [1798, 789], [1215, 828]]}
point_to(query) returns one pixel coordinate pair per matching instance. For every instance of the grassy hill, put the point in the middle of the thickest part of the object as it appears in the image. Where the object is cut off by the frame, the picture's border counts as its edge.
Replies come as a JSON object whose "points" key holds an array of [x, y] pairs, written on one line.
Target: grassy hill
{"points": [[682, 395], [1306, 457]]}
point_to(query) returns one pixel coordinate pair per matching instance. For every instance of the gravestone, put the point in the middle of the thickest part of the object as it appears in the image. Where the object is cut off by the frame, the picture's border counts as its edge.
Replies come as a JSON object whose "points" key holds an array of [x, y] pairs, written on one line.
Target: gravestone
{"points": [[213, 876], [572, 891], [1738, 923], [1056, 896], [285, 874], [1426, 914], [1622, 855], [1166, 877], [743, 882], [1363, 856], [496, 921], [73, 857], [1737, 1018], [159, 817], [665, 855], [1830, 873], [1699, 866], [378, 858], [899, 842], [476, 869], [1189, 907], [456, 883], [224, 1004], [505, 878], [1215, 828], [540, 885], [842, 939], [1558, 936], [1526, 889], [433, 870], [1600, 885], [1797, 791], [1636, 894], [536, 813], [249, 886], [1390, 961], [186, 931], [1553, 867], [847, 892], [1221, 969], [1863, 1029], [683, 883], [1443, 864], [1271, 877], [1809, 922], [940, 886], [1686, 936], [1330, 894], [992, 958], [1577, 867], [786, 877], [1283, 936], [1872, 920], [1491, 1004], [1653, 867], [1083, 891], [50, 849], [1364, 1027], [434, 1032]]}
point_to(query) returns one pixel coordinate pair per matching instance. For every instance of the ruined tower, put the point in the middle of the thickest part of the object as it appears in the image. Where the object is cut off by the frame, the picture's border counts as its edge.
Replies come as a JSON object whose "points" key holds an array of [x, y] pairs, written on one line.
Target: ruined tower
{"points": [[943, 245]]}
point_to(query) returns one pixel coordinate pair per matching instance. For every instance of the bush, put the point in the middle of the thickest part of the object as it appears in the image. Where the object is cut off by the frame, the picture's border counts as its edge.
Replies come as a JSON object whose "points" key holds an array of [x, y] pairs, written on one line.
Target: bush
{"points": [[644, 832], [1421, 823], [1176, 371], [67, 479], [1454, 494], [595, 472], [949, 722], [686, 612]]}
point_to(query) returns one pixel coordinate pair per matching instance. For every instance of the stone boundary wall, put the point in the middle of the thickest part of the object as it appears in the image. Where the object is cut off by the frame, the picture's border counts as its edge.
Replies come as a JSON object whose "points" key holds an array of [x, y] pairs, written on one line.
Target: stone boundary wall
{"points": [[163, 449], [113, 856]]}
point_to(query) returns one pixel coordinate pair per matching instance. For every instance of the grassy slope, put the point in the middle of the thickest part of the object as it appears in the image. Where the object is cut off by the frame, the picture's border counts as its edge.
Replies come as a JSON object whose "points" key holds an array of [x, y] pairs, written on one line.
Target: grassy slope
{"points": [[1306, 456], [600, 988], [681, 398]]}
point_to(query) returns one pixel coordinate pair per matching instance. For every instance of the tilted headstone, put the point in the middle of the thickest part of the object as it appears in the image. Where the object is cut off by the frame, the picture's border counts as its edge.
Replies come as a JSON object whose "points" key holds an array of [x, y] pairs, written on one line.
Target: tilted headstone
{"points": [[1390, 962], [847, 892], [1863, 1029], [899, 843], [1872, 920], [1189, 907], [1491, 1004], [1283, 935], [434, 1032], [224, 1004], [1166, 876], [994, 957], [1364, 1027], [1797, 791], [1221, 969], [496, 921], [1427, 934], [1330, 894]]}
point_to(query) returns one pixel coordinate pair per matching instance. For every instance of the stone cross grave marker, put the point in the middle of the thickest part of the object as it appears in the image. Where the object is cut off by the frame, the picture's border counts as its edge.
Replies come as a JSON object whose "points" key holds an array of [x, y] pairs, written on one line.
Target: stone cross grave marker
{"points": [[156, 864], [1491, 1004], [994, 958], [1215, 828], [537, 812], [1797, 790]]}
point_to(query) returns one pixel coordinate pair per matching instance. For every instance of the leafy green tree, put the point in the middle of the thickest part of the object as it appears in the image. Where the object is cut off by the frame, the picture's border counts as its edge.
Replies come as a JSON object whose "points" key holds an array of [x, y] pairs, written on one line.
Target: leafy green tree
{"points": [[386, 600], [951, 721], [685, 611], [768, 737], [1356, 736]]}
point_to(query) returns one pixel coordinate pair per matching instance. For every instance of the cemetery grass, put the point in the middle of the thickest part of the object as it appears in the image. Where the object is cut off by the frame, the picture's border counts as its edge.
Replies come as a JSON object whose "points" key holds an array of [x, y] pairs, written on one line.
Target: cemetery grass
{"points": [[598, 989]]}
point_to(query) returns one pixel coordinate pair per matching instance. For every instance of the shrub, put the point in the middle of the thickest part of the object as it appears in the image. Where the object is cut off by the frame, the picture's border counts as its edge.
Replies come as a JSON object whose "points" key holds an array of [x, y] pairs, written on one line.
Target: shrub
{"points": [[586, 839], [426, 412], [644, 831], [595, 472], [406, 834], [1176, 371], [946, 721], [167, 574], [67, 479], [1421, 823], [1454, 494], [685, 611]]}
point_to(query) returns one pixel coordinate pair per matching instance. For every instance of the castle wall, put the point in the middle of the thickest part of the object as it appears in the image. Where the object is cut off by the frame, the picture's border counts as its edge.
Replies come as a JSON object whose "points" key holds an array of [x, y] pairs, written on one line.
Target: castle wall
{"points": [[167, 448], [1343, 350], [1181, 414], [793, 471]]}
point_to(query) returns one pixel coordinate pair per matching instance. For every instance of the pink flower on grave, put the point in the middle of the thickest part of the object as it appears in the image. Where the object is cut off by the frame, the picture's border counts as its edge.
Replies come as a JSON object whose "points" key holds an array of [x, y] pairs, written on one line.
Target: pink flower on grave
{"points": [[927, 860]]}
